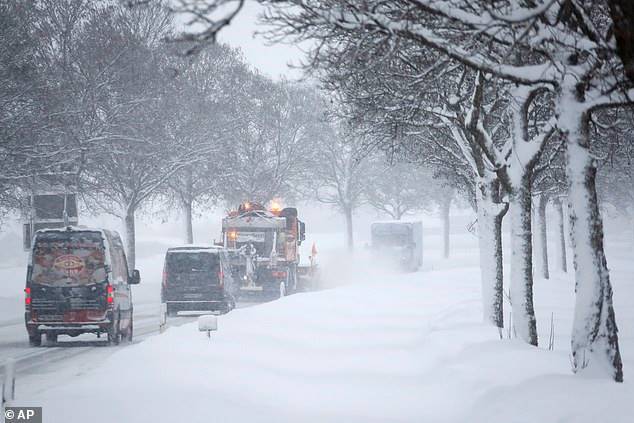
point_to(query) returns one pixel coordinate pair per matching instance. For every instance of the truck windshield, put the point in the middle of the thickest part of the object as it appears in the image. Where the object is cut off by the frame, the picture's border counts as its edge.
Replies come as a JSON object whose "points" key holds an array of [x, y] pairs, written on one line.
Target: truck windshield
{"points": [[68, 258], [262, 240], [390, 235], [391, 239]]}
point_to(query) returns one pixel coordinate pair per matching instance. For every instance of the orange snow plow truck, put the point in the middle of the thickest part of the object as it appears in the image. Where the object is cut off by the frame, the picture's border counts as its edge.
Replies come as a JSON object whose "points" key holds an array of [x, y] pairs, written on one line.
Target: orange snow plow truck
{"points": [[263, 245]]}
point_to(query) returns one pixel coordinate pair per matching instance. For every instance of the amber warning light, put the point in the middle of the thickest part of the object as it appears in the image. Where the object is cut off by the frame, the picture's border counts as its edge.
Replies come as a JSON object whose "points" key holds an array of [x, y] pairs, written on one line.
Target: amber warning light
{"points": [[275, 206]]}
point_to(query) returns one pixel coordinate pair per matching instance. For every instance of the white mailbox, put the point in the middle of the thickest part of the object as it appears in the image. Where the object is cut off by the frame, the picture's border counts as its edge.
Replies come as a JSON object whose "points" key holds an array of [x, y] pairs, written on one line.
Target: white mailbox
{"points": [[207, 324]]}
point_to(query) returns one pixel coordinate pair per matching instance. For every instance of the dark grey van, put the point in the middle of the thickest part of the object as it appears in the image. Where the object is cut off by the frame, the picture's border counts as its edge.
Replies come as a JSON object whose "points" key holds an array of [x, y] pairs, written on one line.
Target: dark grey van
{"points": [[197, 278]]}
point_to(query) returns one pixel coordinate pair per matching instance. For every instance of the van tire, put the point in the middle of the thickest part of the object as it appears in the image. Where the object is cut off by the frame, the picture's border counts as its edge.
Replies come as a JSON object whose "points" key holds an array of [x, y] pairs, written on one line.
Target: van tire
{"points": [[114, 332], [130, 332], [51, 338], [170, 311], [35, 340], [291, 280], [114, 337]]}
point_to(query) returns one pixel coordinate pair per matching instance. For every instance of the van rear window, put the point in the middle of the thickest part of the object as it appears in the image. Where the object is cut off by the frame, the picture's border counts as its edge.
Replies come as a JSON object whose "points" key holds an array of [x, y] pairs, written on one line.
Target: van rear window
{"points": [[191, 262], [68, 258]]}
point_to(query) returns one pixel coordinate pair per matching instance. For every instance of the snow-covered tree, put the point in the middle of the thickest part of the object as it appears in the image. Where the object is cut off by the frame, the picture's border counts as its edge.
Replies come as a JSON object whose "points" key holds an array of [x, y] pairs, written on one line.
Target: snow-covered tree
{"points": [[32, 144], [614, 147], [340, 170], [563, 47], [399, 188], [549, 186], [200, 110], [139, 156], [270, 152]]}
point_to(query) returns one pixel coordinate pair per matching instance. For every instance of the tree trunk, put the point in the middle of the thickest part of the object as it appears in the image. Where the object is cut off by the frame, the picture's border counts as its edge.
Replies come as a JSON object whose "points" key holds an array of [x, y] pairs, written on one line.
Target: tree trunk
{"points": [[563, 259], [187, 201], [187, 214], [445, 208], [632, 226], [543, 236], [490, 214], [534, 239], [130, 233], [349, 232], [521, 289], [595, 341], [622, 13]]}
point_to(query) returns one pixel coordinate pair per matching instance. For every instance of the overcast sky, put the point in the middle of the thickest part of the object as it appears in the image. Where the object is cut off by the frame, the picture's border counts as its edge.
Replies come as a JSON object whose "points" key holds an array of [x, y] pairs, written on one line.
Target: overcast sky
{"points": [[271, 60]]}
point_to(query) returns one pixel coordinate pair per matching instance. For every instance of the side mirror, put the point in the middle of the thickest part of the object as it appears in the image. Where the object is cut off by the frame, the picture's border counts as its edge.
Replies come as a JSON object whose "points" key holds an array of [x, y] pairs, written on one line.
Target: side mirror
{"points": [[135, 278]]}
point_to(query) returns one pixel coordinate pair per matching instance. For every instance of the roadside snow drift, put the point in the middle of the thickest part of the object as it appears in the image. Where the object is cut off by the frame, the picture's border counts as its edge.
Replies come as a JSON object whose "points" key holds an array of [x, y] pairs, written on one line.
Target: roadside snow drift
{"points": [[406, 348]]}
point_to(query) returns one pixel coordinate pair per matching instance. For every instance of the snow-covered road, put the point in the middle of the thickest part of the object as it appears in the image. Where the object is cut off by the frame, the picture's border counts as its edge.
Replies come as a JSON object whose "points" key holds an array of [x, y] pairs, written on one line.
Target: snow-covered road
{"points": [[386, 347], [380, 347], [13, 338]]}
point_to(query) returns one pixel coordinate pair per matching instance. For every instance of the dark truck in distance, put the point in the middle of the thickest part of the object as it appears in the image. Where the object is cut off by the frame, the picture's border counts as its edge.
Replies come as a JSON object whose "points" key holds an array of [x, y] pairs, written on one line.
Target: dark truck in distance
{"points": [[197, 279], [77, 282], [398, 243], [48, 210]]}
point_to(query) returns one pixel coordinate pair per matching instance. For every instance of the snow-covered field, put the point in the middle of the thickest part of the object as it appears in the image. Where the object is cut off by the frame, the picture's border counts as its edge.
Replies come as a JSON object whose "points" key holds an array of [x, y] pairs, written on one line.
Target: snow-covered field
{"points": [[378, 347]]}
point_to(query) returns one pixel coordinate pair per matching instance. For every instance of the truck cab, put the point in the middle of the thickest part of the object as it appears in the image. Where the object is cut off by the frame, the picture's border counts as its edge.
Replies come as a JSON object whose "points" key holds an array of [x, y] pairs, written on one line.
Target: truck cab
{"points": [[48, 210], [398, 243], [263, 246], [78, 282]]}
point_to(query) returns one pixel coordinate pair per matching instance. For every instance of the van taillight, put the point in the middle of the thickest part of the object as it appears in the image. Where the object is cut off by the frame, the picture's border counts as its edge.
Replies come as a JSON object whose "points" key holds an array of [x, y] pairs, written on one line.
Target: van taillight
{"points": [[110, 292], [164, 277], [27, 296], [221, 278]]}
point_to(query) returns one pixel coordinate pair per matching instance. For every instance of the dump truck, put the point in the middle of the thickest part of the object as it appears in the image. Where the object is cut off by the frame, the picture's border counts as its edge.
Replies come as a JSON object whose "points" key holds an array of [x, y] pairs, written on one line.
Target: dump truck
{"points": [[264, 248], [398, 243]]}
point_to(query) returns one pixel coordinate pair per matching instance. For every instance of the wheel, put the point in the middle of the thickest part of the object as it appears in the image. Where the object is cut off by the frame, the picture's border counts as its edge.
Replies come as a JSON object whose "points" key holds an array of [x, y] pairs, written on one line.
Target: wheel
{"points": [[291, 281], [51, 338], [294, 279], [171, 312], [229, 305], [114, 332], [282, 289], [114, 336], [130, 332], [35, 340]]}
